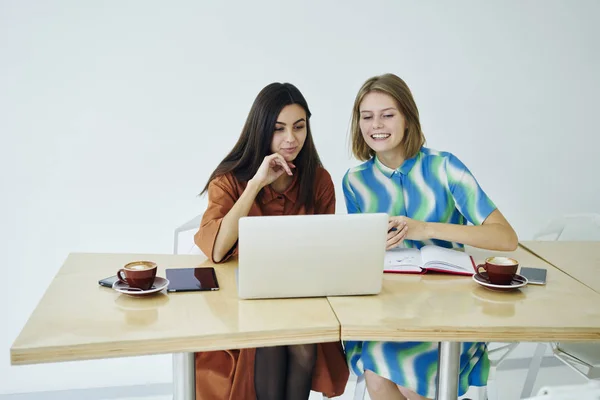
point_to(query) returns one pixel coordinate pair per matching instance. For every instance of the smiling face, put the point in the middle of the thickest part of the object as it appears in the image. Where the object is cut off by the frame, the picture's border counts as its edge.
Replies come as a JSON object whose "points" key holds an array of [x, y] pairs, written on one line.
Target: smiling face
{"points": [[382, 124], [290, 132]]}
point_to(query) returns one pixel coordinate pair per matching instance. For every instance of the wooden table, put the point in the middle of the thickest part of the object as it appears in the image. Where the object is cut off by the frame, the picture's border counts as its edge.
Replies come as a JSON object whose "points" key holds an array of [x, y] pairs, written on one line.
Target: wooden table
{"points": [[454, 309], [77, 319], [581, 260]]}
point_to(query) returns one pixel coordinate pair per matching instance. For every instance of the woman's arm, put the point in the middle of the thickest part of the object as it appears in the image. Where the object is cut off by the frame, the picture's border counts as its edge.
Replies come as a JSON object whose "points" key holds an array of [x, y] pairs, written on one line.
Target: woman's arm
{"points": [[228, 232], [219, 232], [494, 234]]}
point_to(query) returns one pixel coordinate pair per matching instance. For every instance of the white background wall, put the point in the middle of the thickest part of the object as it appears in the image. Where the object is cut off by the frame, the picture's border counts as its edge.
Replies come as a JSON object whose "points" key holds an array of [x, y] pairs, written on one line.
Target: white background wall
{"points": [[114, 113]]}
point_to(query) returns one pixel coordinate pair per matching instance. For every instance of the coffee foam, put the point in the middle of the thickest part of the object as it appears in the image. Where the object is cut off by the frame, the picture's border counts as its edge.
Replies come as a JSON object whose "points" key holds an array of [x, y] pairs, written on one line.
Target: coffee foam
{"points": [[138, 267], [502, 261]]}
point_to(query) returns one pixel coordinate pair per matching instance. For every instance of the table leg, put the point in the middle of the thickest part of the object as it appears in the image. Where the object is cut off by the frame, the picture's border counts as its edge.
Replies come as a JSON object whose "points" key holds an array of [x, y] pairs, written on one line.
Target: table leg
{"points": [[184, 376], [448, 366]]}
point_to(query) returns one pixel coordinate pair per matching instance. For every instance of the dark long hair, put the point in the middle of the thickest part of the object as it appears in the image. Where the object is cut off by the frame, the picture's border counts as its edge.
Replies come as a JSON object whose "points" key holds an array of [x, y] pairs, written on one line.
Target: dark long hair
{"points": [[254, 143]]}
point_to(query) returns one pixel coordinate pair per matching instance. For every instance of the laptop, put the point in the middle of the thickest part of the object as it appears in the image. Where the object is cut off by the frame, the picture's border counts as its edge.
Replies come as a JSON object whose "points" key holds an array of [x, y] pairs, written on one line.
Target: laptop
{"points": [[311, 255]]}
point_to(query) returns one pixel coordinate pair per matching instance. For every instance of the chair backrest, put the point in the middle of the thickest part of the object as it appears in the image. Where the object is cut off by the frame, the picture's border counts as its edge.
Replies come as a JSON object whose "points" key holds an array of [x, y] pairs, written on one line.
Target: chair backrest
{"points": [[571, 227], [183, 242], [586, 354]]}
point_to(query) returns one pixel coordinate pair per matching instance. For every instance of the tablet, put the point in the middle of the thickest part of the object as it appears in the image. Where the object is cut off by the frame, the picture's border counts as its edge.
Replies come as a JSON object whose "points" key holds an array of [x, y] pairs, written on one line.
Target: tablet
{"points": [[192, 279]]}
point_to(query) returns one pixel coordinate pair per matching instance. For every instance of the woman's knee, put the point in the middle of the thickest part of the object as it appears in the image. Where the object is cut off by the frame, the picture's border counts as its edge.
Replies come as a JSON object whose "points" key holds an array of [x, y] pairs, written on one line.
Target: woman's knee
{"points": [[376, 383], [411, 395], [304, 355]]}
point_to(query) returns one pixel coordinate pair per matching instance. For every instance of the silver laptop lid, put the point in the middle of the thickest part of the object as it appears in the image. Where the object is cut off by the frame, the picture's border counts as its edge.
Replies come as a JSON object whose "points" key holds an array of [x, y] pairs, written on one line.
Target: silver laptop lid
{"points": [[311, 255]]}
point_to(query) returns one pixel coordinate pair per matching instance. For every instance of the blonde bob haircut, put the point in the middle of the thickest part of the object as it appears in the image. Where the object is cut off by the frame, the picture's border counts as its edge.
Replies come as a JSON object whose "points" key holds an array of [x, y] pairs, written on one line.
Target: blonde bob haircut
{"points": [[395, 87]]}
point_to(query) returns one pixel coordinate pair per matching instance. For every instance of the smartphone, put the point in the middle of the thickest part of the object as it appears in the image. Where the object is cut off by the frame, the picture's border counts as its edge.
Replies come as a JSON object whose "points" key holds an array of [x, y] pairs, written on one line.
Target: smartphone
{"points": [[108, 282], [535, 276]]}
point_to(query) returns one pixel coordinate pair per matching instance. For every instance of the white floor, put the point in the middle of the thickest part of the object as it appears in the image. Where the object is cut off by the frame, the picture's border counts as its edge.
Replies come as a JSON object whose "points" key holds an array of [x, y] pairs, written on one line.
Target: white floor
{"points": [[510, 378], [510, 383]]}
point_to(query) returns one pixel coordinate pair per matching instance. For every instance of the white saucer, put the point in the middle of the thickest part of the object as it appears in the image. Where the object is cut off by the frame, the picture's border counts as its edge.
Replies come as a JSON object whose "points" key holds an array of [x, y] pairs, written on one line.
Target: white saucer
{"points": [[517, 282], [159, 284]]}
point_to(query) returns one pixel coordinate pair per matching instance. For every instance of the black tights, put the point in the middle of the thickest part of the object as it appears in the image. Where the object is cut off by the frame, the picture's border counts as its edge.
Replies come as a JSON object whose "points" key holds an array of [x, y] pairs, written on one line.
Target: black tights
{"points": [[284, 372]]}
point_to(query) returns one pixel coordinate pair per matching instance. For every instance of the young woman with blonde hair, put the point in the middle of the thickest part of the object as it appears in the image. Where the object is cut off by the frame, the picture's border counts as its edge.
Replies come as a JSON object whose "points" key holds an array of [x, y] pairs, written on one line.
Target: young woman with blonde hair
{"points": [[430, 197]]}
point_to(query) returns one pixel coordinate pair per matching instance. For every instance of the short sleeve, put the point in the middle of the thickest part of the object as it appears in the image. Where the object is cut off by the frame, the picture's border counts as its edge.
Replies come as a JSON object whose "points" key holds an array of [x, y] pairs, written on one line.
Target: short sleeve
{"points": [[221, 198], [470, 199], [325, 193], [351, 203]]}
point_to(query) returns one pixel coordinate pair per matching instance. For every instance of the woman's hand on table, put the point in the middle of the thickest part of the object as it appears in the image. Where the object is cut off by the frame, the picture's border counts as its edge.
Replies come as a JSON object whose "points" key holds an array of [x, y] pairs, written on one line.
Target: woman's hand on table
{"points": [[397, 231], [407, 228]]}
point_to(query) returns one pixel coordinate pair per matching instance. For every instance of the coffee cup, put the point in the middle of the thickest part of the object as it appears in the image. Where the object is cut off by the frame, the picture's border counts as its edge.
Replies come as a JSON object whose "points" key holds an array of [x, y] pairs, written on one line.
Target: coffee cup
{"points": [[138, 274], [500, 270]]}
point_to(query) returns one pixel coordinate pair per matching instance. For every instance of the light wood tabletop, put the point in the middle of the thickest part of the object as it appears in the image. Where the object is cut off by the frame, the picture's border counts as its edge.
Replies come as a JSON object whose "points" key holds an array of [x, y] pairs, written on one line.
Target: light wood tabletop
{"points": [[581, 260], [77, 319], [442, 307]]}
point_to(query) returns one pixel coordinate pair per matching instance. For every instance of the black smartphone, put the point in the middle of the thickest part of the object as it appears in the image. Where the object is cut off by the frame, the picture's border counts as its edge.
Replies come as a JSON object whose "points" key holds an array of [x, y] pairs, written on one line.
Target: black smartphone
{"points": [[535, 276], [108, 282], [192, 279]]}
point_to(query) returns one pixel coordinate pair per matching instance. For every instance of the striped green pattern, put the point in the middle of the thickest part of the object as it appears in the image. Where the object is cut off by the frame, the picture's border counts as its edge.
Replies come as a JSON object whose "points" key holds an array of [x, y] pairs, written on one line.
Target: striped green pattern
{"points": [[433, 186]]}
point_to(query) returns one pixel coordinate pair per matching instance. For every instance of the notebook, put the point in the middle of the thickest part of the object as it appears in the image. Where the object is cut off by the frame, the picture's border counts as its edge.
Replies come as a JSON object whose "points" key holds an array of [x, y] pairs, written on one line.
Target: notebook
{"points": [[428, 258]]}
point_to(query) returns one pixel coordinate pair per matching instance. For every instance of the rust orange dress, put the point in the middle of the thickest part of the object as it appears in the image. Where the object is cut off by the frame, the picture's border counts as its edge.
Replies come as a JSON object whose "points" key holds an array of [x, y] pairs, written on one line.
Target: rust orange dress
{"points": [[229, 374]]}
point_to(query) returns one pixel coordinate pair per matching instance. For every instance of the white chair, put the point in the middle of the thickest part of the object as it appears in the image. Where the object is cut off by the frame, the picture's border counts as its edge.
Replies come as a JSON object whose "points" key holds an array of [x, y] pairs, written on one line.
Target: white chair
{"points": [[183, 242], [572, 227], [584, 358], [503, 350], [360, 390]]}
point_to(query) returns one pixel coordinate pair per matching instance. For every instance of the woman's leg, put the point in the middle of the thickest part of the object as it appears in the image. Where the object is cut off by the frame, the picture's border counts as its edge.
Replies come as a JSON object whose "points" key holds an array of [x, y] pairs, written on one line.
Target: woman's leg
{"points": [[410, 395], [270, 369], [301, 362], [382, 389]]}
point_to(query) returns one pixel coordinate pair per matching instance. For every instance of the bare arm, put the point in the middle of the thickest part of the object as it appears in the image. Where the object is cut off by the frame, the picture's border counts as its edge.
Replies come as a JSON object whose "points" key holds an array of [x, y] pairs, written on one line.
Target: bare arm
{"points": [[272, 167], [228, 233], [494, 234]]}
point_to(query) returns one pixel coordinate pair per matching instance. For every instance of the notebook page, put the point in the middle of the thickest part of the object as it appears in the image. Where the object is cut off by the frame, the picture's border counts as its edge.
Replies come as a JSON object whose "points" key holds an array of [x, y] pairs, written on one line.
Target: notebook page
{"points": [[403, 259], [446, 259]]}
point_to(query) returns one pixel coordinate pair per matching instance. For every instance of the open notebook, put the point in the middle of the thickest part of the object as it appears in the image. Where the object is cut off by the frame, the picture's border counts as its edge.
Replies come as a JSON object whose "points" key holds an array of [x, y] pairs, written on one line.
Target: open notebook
{"points": [[428, 258]]}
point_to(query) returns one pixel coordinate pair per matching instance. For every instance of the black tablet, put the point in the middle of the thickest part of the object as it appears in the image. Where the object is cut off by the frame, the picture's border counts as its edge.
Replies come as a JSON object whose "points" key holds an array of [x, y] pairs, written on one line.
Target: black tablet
{"points": [[192, 279]]}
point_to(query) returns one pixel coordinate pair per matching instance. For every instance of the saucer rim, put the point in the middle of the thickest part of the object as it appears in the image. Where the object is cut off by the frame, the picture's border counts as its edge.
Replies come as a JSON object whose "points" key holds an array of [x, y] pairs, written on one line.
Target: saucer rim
{"points": [[162, 286], [503, 287]]}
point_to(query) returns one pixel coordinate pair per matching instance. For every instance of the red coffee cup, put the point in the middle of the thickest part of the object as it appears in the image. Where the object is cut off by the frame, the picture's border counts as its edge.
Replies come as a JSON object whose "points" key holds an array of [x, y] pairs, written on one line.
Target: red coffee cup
{"points": [[500, 270], [138, 274]]}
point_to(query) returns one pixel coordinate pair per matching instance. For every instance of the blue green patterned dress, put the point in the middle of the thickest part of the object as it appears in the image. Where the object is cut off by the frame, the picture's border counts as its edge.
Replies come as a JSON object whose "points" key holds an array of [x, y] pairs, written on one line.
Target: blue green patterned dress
{"points": [[433, 186]]}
